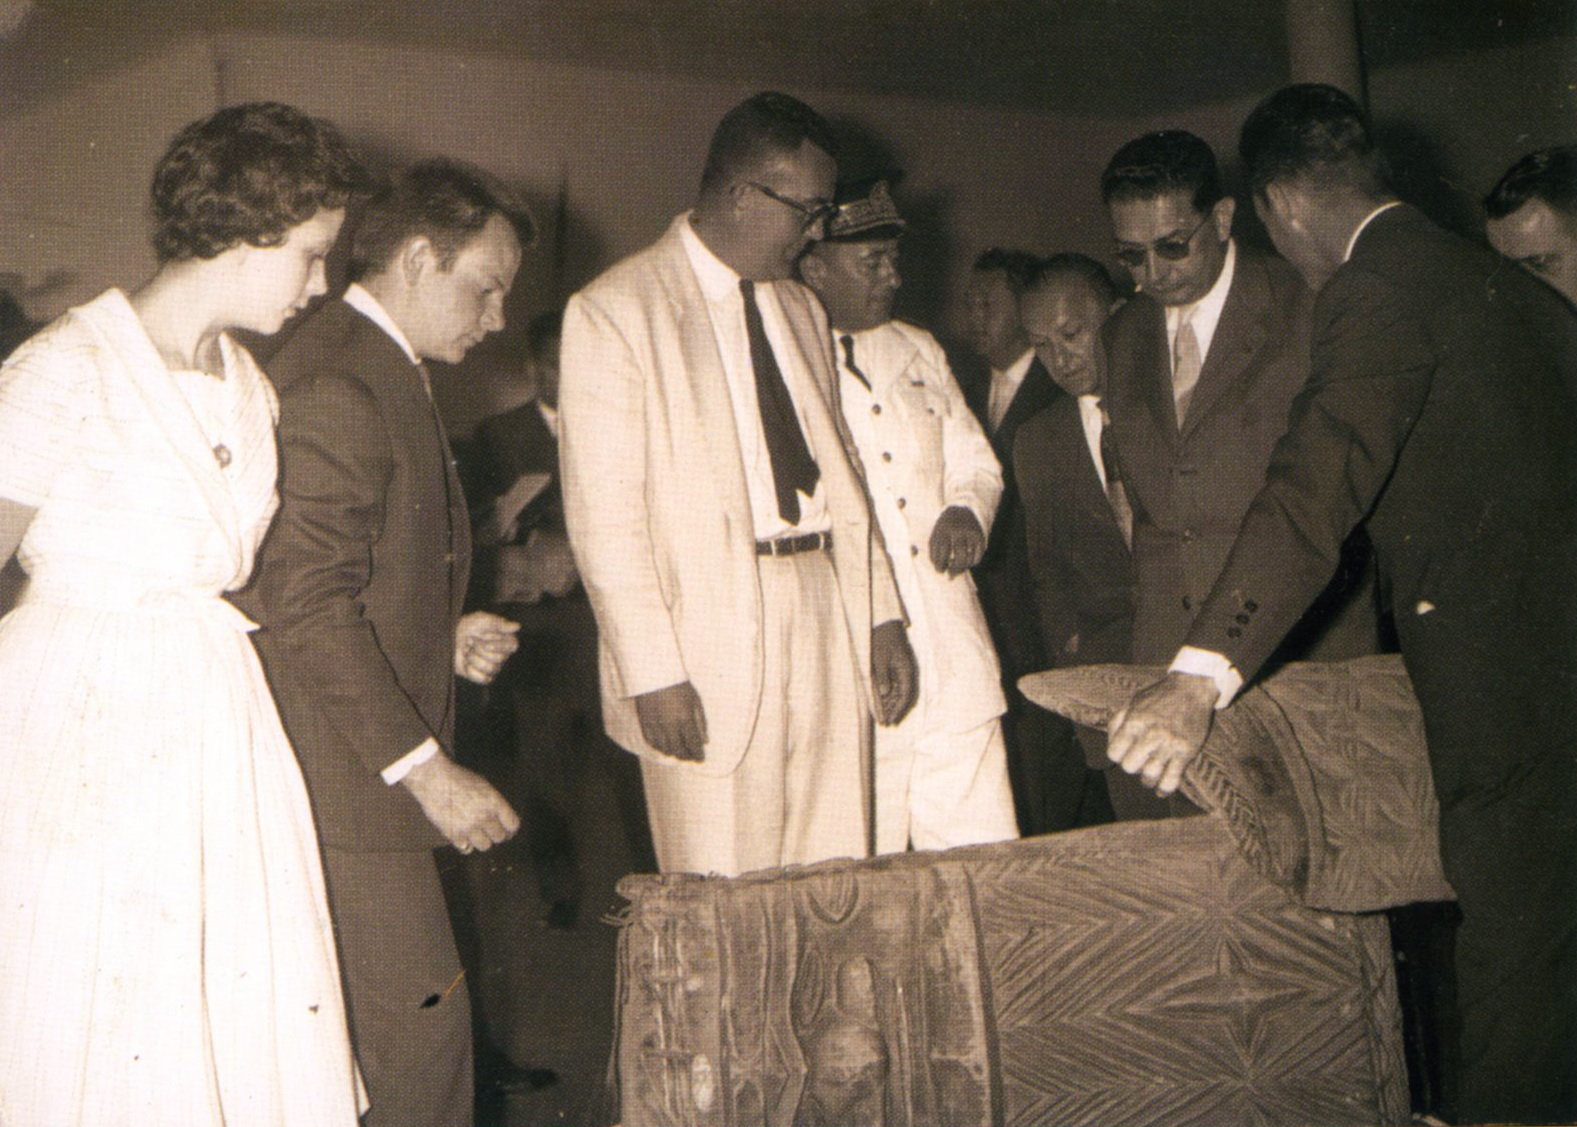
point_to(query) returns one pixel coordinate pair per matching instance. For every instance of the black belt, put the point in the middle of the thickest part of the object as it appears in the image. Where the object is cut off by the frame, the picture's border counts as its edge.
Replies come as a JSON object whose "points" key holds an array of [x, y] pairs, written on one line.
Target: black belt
{"points": [[793, 545]]}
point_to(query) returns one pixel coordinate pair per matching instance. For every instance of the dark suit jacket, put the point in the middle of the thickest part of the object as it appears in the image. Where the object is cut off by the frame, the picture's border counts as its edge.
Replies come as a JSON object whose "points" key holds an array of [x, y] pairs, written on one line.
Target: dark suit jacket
{"points": [[1081, 568], [361, 579], [1007, 594], [1190, 487], [1440, 408], [516, 442]]}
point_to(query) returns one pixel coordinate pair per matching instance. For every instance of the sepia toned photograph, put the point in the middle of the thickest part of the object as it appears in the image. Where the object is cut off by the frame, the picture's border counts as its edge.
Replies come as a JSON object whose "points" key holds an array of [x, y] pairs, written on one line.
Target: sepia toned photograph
{"points": [[715, 563]]}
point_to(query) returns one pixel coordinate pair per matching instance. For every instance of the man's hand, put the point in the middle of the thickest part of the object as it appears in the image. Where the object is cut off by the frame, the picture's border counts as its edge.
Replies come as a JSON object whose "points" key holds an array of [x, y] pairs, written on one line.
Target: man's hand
{"points": [[957, 540], [483, 641], [893, 672], [463, 805], [1161, 731], [673, 721]]}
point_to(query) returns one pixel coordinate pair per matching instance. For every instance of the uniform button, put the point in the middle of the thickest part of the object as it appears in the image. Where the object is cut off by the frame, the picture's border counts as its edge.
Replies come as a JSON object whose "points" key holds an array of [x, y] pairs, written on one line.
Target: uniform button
{"points": [[902, 502], [1234, 632], [1188, 604], [1242, 619], [886, 456], [1250, 605], [876, 408], [914, 550]]}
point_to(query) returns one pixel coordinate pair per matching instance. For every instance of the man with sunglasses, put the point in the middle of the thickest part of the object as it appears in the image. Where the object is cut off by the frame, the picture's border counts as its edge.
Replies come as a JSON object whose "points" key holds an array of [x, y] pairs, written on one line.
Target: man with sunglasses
{"points": [[1203, 365], [749, 622]]}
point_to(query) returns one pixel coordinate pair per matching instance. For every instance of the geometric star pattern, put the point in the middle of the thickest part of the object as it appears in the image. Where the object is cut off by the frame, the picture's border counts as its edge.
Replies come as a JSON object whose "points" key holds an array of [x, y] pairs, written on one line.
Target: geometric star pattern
{"points": [[1133, 974]]}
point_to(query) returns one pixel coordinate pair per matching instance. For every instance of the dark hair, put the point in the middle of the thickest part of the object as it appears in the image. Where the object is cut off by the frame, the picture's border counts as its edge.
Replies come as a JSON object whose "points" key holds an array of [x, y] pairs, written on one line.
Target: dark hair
{"points": [[1167, 161], [248, 174], [1547, 175], [1018, 266], [1312, 132], [444, 201], [544, 330], [1071, 263], [761, 126]]}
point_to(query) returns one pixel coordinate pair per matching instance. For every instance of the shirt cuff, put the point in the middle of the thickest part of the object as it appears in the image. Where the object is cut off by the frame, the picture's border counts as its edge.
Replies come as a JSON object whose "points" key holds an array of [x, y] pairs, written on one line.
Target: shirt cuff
{"points": [[1206, 663], [403, 766]]}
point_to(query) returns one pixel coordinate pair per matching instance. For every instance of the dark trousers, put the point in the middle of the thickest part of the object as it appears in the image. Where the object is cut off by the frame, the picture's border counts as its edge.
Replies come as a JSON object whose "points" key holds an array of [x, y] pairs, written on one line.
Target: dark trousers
{"points": [[1497, 681], [410, 1015]]}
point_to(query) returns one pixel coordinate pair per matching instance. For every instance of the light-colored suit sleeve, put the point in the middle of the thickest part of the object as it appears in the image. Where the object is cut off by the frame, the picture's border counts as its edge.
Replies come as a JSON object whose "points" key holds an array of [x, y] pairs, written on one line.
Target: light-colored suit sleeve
{"points": [[972, 474], [602, 400]]}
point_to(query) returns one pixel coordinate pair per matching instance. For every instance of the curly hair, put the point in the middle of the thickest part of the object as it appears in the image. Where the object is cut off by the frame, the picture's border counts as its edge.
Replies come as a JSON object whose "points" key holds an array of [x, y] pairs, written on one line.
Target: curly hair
{"points": [[248, 174]]}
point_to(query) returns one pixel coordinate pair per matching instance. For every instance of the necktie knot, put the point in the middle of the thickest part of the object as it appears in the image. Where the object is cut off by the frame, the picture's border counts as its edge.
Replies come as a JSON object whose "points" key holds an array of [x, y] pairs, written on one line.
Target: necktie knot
{"points": [[794, 471]]}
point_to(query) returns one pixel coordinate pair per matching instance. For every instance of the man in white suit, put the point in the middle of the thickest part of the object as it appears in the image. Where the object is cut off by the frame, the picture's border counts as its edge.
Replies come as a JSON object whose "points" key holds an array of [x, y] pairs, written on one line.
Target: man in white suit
{"points": [[750, 624], [941, 775]]}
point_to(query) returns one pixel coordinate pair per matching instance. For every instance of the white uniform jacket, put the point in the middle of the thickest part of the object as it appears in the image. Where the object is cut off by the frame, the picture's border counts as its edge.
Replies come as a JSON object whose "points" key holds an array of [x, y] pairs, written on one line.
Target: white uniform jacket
{"points": [[656, 504], [924, 451]]}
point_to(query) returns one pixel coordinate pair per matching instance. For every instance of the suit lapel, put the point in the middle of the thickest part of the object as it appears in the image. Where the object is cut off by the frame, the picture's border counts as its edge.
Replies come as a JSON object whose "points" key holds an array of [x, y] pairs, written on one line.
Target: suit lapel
{"points": [[710, 403], [1239, 335]]}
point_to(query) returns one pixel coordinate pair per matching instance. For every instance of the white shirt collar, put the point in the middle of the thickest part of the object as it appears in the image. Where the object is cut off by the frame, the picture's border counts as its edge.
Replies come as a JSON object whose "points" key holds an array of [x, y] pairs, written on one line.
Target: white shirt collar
{"points": [[371, 308], [718, 279], [1368, 219], [1014, 373], [1206, 312]]}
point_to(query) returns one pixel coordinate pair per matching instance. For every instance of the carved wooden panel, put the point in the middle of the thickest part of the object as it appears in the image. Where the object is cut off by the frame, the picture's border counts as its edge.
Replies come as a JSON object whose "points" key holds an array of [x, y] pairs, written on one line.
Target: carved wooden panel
{"points": [[1125, 975], [1320, 771]]}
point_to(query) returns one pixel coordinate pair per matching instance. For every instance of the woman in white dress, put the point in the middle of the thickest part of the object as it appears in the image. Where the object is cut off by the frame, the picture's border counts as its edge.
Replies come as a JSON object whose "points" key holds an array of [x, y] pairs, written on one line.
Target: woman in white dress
{"points": [[166, 954]]}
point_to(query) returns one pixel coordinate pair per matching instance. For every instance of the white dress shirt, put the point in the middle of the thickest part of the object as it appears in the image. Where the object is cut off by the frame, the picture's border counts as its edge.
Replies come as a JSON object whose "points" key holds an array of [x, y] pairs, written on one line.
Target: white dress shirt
{"points": [[1004, 386], [1205, 314], [726, 306]]}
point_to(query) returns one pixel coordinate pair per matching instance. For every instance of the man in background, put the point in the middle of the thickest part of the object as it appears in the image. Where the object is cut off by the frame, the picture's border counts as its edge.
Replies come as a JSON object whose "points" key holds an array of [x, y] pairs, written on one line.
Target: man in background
{"points": [[1077, 516], [1014, 388], [749, 621], [941, 774], [1531, 216]]}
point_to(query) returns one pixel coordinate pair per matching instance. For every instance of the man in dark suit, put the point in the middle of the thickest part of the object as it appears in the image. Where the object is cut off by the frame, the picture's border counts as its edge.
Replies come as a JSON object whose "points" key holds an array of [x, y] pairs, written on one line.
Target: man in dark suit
{"points": [[552, 681], [1440, 410], [1077, 518], [1202, 368], [1014, 387], [359, 589], [1530, 216]]}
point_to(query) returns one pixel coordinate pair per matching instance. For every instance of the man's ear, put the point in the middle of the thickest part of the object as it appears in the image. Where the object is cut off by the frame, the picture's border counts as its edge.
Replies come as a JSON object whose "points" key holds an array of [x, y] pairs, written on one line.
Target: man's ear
{"points": [[1285, 204], [1221, 217], [417, 257], [812, 270]]}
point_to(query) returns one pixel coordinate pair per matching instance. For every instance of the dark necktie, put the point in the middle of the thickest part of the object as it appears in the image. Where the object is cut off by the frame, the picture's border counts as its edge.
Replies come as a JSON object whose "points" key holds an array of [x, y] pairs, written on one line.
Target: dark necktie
{"points": [[1116, 491], [848, 360], [793, 469]]}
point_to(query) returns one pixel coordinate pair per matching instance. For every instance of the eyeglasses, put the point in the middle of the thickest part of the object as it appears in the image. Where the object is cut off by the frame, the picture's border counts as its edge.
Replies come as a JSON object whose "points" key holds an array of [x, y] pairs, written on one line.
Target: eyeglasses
{"points": [[1173, 248], [810, 214]]}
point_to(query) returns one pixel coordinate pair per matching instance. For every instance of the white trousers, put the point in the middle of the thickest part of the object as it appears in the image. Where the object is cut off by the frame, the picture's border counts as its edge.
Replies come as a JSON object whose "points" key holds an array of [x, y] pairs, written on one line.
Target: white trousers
{"points": [[938, 788], [799, 793]]}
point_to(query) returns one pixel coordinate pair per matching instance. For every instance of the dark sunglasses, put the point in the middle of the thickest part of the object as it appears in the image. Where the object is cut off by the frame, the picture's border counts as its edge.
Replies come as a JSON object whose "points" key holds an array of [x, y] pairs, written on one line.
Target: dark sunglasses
{"points": [[810, 214], [1173, 248]]}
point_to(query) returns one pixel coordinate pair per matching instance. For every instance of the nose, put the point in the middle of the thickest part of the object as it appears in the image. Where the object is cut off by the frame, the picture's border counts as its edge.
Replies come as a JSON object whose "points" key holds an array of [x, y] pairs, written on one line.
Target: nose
{"points": [[317, 280], [1156, 269], [493, 315]]}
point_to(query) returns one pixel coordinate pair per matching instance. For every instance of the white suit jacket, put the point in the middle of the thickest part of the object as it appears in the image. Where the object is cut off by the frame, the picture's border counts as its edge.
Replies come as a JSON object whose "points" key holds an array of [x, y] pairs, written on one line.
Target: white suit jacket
{"points": [[923, 452], [655, 497]]}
